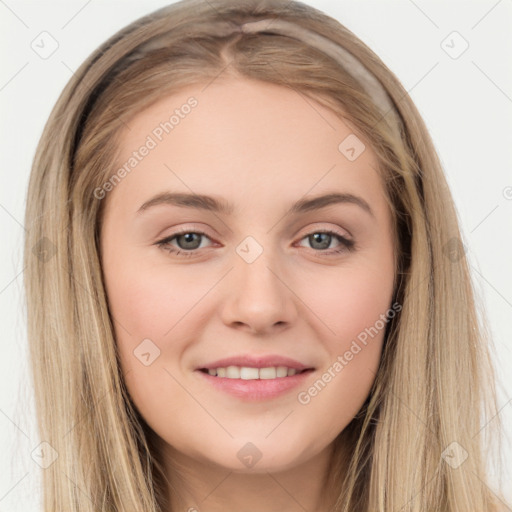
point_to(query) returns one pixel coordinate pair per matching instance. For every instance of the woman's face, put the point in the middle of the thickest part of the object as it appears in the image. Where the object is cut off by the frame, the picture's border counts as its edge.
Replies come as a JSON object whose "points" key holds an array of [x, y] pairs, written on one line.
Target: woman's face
{"points": [[262, 273]]}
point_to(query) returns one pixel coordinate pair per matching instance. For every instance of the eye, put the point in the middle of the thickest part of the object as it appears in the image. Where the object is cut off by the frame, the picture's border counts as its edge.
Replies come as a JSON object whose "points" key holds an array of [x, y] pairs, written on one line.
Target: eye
{"points": [[322, 240], [189, 241]]}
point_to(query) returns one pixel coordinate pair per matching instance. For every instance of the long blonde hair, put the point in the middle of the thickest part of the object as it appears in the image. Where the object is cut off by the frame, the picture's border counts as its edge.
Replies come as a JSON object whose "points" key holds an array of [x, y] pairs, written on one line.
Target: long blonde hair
{"points": [[435, 379]]}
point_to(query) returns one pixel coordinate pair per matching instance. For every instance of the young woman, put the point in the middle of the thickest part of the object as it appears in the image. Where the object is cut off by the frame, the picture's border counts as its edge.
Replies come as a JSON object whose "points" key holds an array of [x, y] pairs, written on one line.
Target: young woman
{"points": [[245, 283]]}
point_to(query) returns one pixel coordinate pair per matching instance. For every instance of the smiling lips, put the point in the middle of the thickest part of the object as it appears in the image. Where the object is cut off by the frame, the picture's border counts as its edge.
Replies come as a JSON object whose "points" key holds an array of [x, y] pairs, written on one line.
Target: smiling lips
{"points": [[247, 367], [255, 378], [249, 373]]}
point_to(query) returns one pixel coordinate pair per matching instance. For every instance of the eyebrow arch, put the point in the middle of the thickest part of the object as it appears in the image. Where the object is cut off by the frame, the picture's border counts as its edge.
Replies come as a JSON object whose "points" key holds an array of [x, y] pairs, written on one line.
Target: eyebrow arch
{"points": [[218, 205]]}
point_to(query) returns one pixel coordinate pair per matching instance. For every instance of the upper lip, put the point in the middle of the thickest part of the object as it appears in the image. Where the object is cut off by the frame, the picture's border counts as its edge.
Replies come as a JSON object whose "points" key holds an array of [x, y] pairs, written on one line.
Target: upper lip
{"points": [[255, 362]]}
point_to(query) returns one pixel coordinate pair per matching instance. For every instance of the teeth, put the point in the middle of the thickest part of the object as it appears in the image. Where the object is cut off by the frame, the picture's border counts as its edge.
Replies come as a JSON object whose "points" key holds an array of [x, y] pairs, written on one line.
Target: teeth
{"points": [[248, 373], [233, 372], [282, 371], [268, 373]]}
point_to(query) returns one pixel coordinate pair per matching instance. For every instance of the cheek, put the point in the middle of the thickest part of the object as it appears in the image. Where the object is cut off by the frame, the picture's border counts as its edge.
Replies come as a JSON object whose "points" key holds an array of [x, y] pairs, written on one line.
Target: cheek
{"points": [[352, 306], [148, 300], [143, 307], [146, 309], [343, 384], [351, 301], [151, 302]]}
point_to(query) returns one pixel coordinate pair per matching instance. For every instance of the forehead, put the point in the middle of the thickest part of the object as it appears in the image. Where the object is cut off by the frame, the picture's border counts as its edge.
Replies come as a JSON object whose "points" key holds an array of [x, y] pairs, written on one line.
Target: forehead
{"points": [[246, 139]]}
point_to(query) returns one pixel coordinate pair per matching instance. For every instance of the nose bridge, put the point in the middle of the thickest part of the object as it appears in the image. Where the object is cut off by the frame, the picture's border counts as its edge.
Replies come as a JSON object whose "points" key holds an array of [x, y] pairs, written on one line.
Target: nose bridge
{"points": [[257, 270], [257, 296]]}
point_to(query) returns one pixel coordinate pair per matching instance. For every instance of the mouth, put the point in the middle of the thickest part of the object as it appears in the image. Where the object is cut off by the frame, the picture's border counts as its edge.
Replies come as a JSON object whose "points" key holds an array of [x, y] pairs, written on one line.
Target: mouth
{"points": [[254, 384], [254, 377], [254, 373]]}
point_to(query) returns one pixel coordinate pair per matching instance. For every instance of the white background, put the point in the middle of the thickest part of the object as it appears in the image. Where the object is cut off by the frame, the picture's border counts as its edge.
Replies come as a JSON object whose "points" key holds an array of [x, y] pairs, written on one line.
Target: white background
{"points": [[466, 103]]}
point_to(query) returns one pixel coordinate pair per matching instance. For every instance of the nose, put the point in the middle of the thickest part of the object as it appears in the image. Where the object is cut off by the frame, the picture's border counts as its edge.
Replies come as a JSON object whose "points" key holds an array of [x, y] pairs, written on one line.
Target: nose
{"points": [[258, 298]]}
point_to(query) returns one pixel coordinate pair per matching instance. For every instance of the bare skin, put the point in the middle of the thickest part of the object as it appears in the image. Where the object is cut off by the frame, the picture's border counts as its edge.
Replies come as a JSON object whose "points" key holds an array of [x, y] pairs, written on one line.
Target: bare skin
{"points": [[262, 148]]}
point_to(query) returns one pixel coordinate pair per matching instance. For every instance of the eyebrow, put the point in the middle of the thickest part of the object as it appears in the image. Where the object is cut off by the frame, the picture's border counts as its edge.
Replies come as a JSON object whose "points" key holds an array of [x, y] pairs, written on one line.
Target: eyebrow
{"points": [[220, 205]]}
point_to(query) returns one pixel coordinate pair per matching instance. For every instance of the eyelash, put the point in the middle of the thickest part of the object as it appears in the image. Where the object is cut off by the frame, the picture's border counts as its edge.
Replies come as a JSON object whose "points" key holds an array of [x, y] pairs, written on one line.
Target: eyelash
{"points": [[347, 245]]}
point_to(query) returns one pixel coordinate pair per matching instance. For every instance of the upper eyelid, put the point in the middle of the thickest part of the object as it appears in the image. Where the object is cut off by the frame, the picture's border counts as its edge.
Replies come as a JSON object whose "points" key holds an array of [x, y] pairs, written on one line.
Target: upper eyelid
{"points": [[317, 226], [310, 231]]}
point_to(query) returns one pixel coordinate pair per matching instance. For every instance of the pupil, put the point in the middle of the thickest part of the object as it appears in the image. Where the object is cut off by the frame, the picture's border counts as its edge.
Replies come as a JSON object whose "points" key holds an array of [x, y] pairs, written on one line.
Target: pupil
{"points": [[326, 242], [189, 239]]}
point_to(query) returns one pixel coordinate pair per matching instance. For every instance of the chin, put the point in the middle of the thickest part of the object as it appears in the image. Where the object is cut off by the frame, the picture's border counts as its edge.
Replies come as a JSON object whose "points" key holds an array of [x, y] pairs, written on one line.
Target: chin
{"points": [[260, 456]]}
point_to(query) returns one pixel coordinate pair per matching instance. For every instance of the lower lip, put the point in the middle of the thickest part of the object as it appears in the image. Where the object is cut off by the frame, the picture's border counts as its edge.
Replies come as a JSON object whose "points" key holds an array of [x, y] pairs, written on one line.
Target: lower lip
{"points": [[257, 389]]}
